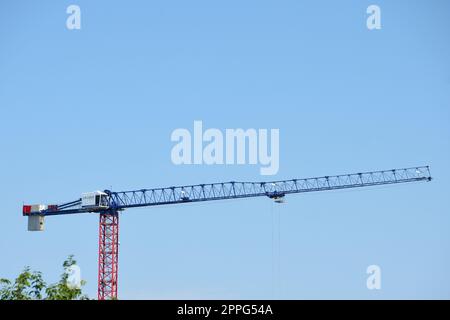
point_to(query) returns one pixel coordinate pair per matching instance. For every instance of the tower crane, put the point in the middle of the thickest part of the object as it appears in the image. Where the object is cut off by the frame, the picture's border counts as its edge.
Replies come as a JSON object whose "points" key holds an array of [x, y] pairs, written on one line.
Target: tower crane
{"points": [[109, 203]]}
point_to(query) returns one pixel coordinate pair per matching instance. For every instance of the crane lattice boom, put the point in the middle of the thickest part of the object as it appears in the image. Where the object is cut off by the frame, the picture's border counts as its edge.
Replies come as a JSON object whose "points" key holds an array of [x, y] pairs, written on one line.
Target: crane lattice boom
{"points": [[235, 190]]}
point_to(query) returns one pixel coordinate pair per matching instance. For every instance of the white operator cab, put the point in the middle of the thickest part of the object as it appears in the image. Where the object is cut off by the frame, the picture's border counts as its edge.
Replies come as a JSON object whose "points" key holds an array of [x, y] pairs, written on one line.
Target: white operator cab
{"points": [[94, 200]]}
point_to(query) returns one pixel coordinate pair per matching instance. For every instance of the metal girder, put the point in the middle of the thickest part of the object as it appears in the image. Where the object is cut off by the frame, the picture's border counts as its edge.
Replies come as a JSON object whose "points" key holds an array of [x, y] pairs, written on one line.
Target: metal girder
{"points": [[273, 189], [235, 190], [108, 255]]}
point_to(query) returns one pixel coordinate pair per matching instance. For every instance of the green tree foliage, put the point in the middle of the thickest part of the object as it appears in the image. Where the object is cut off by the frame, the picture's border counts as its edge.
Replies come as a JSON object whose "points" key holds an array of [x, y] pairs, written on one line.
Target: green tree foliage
{"points": [[30, 285]]}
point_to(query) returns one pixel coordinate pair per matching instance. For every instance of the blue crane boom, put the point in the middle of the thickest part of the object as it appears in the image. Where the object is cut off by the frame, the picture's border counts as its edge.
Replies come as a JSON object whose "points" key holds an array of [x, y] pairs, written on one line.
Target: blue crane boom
{"points": [[117, 201]]}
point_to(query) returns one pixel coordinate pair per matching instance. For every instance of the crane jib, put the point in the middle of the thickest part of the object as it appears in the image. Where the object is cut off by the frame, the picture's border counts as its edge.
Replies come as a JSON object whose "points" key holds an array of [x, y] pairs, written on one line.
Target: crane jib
{"points": [[109, 201]]}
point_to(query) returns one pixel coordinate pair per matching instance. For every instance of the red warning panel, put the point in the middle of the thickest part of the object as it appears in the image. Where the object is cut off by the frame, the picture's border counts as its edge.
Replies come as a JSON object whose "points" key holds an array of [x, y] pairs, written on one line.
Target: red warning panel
{"points": [[26, 210]]}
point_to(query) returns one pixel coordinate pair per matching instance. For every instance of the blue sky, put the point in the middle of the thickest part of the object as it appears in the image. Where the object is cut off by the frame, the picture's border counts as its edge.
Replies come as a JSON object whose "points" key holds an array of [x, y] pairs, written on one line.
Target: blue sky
{"points": [[93, 109]]}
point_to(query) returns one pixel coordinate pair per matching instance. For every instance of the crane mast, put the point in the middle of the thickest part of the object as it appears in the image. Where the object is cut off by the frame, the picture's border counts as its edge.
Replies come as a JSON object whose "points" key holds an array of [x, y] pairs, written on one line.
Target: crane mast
{"points": [[109, 203]]}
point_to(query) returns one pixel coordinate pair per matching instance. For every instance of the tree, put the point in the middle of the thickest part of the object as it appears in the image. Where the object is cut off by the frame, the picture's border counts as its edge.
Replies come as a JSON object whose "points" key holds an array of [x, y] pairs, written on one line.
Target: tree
{"points": [[27, 286], [30, 285]]}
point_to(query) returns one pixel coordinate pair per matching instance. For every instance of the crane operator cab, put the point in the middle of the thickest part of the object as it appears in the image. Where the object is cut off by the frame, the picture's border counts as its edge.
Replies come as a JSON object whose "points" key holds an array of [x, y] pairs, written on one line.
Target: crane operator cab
{"points": [[96, 200]]}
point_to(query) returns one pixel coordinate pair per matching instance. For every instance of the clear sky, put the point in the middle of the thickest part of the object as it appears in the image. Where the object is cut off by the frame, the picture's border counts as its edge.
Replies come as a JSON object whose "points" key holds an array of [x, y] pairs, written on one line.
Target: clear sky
{"points": [[93, 109]]}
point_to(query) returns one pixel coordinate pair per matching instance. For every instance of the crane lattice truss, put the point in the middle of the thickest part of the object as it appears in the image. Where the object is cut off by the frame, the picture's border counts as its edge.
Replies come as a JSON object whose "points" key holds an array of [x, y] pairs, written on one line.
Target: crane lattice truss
{"points": [[113, 202]]}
